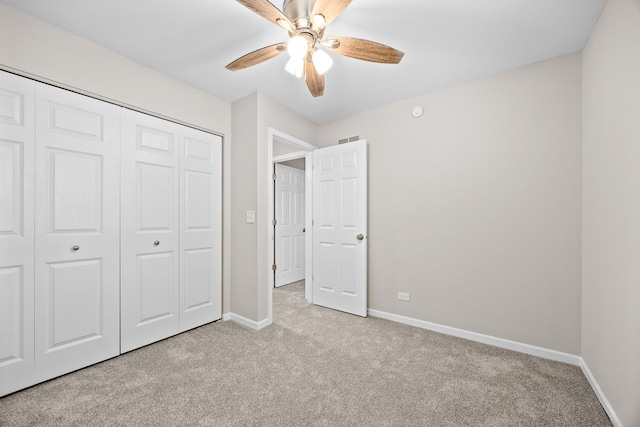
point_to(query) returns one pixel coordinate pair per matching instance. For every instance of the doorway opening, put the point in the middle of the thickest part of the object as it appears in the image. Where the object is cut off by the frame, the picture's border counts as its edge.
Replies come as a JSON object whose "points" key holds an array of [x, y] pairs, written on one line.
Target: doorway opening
{"points": [[282, 147], [289, 221]]}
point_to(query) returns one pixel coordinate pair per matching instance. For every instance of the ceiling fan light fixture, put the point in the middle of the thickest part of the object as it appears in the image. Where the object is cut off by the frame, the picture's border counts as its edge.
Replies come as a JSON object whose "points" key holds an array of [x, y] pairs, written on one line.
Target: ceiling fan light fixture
{"points": [[298, 47], [322, 61], [306, 21], [295, 66], [318, 21]]}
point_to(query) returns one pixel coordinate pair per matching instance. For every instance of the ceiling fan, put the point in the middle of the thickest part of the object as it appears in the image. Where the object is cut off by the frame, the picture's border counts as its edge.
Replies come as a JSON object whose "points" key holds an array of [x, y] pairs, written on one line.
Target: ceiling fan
{"points": [[306, 21]]}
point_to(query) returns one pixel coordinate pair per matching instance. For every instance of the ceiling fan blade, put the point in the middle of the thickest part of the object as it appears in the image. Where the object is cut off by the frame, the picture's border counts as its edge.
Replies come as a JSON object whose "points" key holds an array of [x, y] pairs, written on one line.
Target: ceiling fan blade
{"points": [[268, 11], [365, 50], [330, 9], [315, 81], [256, 57]]}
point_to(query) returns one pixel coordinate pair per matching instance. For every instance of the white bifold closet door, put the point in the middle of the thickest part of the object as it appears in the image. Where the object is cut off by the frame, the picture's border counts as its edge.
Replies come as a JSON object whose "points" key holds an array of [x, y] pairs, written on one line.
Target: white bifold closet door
{"points": [[110, 230], [150, 172], [171, 233], [77, 288], [200, 228], [17, 115]]}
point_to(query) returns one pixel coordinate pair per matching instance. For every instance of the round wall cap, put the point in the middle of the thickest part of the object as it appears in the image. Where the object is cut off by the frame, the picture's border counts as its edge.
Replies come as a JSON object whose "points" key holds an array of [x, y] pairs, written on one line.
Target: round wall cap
{"points": [[417, 111]]}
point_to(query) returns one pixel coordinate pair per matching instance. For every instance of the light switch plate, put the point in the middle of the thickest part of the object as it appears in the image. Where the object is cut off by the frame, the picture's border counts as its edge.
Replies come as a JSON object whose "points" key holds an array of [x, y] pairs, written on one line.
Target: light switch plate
{"points": [[251, 217]]}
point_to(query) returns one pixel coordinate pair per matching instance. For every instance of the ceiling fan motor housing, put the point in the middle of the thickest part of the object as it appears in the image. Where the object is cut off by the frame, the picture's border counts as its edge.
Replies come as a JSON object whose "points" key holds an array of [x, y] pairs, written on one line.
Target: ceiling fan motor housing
{"points": [[299, 13], [298, 9]]}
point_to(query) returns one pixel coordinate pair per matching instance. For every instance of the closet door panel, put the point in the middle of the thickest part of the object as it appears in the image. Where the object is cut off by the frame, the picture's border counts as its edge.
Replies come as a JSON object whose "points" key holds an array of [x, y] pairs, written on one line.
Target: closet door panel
{"points": [[200, 228], [17, 113], [77, 293], [156, 287], [72, 174], [149, 252]]}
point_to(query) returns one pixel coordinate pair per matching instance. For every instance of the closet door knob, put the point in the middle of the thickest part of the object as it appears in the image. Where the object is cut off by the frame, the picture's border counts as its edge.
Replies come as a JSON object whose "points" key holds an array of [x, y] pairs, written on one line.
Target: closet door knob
{"points": [[156, 243], [75, 248]]}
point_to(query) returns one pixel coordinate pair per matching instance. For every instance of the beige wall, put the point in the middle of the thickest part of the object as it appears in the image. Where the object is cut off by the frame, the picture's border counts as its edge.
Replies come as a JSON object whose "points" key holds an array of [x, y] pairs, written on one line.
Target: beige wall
{"points": [[474, 208], [611, 207], [244, 190], [33, 48], [297, 164], [280, 148], [251, 177]]}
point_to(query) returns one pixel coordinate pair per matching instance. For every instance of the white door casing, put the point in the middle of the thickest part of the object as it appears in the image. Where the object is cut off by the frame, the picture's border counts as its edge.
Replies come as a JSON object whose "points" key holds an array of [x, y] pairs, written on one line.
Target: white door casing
{"points": [[17, 116], [290, 223], [149, 230], [200, 228], [340, 227], [77, 294], [301, 149]]}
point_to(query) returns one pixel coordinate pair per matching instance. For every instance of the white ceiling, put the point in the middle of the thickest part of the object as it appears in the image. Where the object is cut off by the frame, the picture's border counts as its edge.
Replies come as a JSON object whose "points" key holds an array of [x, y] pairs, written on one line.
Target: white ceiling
{"points": [[445, 42]]}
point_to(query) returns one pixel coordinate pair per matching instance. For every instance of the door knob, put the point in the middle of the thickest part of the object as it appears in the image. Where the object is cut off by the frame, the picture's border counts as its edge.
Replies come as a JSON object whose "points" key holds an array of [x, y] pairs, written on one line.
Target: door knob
{"points": [[360, 237], [75, 248], [156, 243]]}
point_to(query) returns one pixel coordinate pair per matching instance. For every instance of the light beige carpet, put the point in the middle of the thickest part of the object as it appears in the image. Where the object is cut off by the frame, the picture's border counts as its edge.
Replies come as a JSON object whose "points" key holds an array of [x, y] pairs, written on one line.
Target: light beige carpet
{"points": [[314, 367]]}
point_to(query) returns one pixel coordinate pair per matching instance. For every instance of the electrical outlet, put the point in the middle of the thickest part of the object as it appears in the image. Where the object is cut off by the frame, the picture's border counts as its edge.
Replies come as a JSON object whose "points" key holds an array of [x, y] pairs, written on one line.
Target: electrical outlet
{"points": [[404, 296], [251, 217]]}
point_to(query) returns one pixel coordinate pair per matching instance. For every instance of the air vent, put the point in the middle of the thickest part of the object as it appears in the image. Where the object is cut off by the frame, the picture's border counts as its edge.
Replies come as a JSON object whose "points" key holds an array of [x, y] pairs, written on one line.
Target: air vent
{"points": [[350, 139]]}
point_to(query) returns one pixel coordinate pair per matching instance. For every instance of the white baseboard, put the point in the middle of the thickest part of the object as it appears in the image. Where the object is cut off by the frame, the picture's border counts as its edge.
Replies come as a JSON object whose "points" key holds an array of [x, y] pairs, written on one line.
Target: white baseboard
{"points": [[601, 397], [251, 324], [264, 323], [485, 339]]}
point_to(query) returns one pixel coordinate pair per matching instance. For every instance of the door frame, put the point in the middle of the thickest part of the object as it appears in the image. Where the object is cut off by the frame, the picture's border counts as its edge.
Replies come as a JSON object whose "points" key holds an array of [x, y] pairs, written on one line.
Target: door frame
{"points": [[304, 152]]}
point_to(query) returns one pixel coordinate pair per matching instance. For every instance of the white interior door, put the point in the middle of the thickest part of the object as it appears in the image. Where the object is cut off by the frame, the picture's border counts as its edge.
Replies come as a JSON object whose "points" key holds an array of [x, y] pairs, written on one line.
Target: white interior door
{"points": [[17, 115], [77, 292], [150, 230], [340, 227], [200, 228], [290, 236]]}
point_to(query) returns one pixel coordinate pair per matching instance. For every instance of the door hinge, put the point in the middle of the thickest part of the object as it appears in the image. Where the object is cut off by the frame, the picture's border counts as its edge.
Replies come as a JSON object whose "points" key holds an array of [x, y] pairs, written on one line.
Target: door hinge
{"points": [[274, 222], [274, 267], [275, 176]]}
